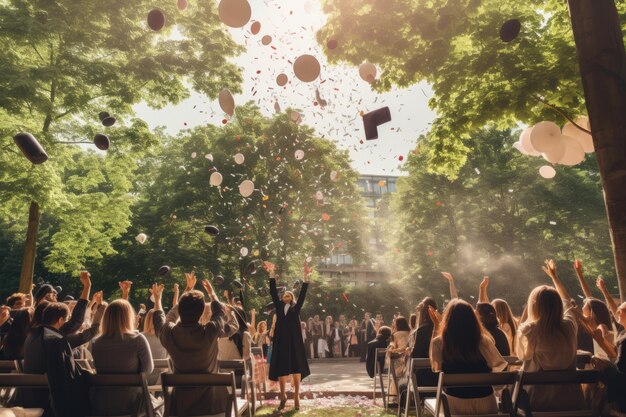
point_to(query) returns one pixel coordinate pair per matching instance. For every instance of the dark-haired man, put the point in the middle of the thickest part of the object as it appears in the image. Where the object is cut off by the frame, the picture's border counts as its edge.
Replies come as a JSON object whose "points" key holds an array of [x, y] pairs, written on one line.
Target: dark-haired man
{"points": [[193, 346], [48, 350]]}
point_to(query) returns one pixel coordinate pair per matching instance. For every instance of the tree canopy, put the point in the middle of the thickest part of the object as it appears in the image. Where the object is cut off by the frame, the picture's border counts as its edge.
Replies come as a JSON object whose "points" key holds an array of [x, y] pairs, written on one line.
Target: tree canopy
{"points": [[497, 218], [61, 64], [478, 80]]}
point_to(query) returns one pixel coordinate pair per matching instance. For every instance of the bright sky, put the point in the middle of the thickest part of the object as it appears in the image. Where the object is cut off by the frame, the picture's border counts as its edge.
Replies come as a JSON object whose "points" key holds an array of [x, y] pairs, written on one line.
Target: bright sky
{"points": [[292, 26]]}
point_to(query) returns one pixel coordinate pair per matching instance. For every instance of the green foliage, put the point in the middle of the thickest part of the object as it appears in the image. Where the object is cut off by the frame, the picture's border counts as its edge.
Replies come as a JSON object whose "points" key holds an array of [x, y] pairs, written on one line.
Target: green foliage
{"points": [[61, 63], [499, 218], [477, 79], [281, 222]]}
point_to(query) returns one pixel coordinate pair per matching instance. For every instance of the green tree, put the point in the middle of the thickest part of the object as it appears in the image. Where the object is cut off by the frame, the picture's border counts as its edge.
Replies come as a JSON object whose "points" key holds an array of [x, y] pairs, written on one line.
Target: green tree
{"points": [[282, 222], [499, 218], [477, 78], [62, 63]]}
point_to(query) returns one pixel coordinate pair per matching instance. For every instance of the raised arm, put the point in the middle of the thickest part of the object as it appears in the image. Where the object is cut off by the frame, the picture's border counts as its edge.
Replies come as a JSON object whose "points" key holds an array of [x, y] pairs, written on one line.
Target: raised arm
{"points": [[453, 292], [550, 270], [176, 295], [610, 302], [482, 294], [305, 286], [125, 288], [78, 314], [274, 292], [253, 322], [578, 267]]}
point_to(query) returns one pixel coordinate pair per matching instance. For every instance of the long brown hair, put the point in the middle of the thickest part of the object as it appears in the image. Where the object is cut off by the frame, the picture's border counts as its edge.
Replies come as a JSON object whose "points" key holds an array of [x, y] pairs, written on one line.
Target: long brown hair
{"points": [[118, 319], [505, 316], [461, 333]]}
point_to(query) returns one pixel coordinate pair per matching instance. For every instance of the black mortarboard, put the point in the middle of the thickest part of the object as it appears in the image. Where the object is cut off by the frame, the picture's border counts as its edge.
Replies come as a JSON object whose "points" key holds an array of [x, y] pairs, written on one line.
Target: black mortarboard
{"points": [[31, 148], [373, 119]]}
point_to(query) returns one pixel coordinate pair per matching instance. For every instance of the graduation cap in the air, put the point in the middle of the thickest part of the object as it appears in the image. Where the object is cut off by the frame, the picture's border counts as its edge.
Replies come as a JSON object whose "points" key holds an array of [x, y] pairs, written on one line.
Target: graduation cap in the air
{"points": [[251, 268], [31, 148], [510, 29], [106, 119], [238, 284], [101, 141], [269, 307], [163, 271], [219, 280], [156, 19], [212, 230], [373, 119]]}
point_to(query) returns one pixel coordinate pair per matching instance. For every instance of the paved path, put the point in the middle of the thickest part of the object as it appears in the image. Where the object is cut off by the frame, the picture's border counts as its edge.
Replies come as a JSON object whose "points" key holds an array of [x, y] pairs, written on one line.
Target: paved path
{"points": [[337, 377]]}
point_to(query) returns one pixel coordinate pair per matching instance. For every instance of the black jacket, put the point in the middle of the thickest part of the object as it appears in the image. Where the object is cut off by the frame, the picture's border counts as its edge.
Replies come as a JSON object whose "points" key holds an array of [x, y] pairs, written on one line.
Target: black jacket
{"points": [[370, 359], [288, 353]]}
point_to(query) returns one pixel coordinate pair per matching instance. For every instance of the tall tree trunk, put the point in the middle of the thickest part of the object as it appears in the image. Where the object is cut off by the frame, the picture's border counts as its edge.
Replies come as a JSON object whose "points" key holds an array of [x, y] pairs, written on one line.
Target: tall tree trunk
{"points": [[602, 59], [30, 249]]}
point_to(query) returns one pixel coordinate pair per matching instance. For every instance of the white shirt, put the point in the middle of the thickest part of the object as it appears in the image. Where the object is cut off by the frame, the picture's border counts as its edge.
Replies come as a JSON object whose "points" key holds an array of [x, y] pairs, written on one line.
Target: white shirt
{"points": [[287, 308]]}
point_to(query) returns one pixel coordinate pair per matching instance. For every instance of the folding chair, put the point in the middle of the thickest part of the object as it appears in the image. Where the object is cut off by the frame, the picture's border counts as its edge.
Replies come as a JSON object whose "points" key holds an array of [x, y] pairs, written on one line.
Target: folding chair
{"points": [[12, 381], [413, 388], [486, 379], [393, 378], [86, 364], [522, 399], [124, 380], [378, 374], [582, 359], [512, 360], [238, 405], [257, 352], [243, 369], [154, 379]]}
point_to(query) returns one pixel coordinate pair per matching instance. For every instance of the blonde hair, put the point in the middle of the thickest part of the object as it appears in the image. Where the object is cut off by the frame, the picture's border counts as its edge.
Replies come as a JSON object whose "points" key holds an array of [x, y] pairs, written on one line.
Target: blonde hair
{"points": [[293, 297], [118, 319], [545, 310], [148, 323], [261, 323]]}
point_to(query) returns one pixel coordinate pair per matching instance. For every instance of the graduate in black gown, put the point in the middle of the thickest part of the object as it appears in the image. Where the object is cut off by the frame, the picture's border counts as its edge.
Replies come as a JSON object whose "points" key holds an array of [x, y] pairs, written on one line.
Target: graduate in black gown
{"points": [[288, 353]]}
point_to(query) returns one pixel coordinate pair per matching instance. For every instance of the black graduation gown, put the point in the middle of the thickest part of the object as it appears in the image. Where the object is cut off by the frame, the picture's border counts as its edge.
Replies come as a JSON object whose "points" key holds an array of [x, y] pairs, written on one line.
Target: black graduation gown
{"points": [[288, 353]]}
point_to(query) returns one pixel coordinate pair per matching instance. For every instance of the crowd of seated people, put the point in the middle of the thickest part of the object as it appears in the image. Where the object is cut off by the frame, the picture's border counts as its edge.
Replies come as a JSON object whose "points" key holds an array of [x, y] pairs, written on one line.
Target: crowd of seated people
{"points": [[48, 336], [548, 336]]}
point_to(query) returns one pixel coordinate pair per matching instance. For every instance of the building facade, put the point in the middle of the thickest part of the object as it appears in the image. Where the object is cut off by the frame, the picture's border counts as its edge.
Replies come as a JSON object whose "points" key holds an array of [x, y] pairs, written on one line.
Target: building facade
{"points": [[340, 267]]}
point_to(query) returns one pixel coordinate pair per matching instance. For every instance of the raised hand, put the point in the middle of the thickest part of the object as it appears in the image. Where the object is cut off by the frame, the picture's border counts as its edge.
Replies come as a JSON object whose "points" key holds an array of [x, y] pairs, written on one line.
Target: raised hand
{"points": [[601, 284], [269, 267], [85, 278], [482, 295], [97, 297], [125, 287], [307, 271], [5, 313], [190, 278], [549, 268], [453, 292], [208, 288], [448, 276], [578, 266], [485, 283], [435, 317], [157, 293]]}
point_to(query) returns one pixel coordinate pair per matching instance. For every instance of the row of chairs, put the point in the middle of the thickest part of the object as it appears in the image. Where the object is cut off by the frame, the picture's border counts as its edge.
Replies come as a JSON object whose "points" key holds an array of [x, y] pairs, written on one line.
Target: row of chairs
{"points": [[514, 397], [11, 378]]}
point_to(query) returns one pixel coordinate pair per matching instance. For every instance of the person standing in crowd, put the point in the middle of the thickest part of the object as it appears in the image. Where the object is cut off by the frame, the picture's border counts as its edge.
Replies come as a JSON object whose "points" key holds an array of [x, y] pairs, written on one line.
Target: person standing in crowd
{"points": [[317, 333], [192, 346], [368, 329], [288, 355], [120, 349], [329, 336], [310, 345], [156, 348], [353, 340]]}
